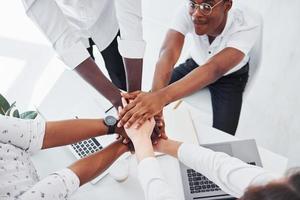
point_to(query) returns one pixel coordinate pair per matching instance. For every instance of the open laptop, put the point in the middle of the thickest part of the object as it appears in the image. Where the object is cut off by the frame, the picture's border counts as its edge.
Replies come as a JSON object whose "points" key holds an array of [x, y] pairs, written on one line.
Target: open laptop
{"points": [[71, 97], [197, 186]]}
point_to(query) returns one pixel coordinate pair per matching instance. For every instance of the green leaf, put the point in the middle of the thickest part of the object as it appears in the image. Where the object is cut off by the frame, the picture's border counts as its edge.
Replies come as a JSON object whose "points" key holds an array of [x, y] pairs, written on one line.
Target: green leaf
{"points": [[9, 110], [29, 115], [3, 104], [2, 112], [16, 113]]}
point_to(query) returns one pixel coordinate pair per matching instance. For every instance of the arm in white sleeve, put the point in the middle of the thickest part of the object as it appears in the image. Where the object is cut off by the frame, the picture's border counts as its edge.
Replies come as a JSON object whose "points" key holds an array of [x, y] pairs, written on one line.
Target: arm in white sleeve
{"points": [[26, 134], [57, 186], [129, 15], [64, 37], [153, 183], [231, 174]]}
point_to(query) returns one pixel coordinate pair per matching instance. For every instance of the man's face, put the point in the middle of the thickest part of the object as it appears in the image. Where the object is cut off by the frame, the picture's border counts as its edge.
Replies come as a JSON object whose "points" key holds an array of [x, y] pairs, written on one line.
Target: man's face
{"points": [[209, 16]]}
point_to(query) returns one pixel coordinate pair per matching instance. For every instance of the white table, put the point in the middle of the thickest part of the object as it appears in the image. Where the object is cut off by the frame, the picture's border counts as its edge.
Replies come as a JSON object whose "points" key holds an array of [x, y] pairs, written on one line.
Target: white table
{"points": [[78, 98], [50, 160]]}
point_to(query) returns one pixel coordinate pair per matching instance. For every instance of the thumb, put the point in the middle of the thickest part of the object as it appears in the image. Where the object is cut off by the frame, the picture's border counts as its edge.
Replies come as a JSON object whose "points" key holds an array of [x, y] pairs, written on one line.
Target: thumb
{"points": [[131, 95]]}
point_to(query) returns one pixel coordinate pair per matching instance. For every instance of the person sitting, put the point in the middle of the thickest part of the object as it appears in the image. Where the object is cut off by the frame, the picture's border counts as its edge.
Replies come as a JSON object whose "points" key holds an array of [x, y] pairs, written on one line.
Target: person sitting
{"points": [[19, 139], [222, 40], [235, 177]]}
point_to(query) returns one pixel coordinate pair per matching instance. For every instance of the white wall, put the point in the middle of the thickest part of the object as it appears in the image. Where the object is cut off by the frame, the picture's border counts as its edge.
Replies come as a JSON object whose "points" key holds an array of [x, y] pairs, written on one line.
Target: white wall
{"points": [[271, 113]]}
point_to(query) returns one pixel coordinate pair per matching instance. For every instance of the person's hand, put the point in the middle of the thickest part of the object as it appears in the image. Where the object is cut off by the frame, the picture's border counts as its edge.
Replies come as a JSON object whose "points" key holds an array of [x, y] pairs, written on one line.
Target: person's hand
{"points": [[160, 123], [144, 106], [121, 131], [143, 132]]}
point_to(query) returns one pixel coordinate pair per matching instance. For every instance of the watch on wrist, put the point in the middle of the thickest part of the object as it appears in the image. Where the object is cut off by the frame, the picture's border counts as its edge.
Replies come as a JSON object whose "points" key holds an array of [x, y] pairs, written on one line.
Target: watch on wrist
{"points": [[111, 123]]}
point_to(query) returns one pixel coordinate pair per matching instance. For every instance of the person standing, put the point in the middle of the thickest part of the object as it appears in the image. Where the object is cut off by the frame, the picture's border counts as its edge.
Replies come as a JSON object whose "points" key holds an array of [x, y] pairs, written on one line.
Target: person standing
{"points": [[115, 27]]}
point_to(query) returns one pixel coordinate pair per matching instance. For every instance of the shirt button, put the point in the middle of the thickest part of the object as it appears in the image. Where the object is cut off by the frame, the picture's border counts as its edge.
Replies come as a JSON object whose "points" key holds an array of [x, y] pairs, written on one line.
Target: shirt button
{"points": [[209, 52]]}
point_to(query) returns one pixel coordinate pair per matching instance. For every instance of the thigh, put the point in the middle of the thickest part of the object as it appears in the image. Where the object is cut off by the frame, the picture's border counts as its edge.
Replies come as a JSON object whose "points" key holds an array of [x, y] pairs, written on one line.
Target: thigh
{"points": [[227, 97], [114, 64], [112, 57], [182, 70]]}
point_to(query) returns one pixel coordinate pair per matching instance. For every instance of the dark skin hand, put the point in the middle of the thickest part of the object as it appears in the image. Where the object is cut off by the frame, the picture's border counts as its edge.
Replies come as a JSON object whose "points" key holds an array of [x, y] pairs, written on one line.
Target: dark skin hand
{"points": [[91, 73], [147, 105], [91, 166]]}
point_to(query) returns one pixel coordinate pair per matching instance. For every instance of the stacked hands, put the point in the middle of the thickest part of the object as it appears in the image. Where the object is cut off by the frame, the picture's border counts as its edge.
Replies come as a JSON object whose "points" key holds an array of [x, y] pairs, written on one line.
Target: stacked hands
{"points": [[142, 119]]}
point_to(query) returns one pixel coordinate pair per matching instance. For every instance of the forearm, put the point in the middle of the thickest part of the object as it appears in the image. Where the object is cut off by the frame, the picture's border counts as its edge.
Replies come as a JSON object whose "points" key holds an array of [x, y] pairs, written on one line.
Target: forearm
{"points": [[170, 147], [143, 148], [194, 81], [91, 73], [163, 72], [90, 167], [134, 72], [59, 133]]}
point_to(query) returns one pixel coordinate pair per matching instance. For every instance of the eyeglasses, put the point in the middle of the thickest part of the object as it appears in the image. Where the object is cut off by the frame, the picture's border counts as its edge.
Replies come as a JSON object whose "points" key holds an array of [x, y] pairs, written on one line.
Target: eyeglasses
{"points": [[204, 8]]}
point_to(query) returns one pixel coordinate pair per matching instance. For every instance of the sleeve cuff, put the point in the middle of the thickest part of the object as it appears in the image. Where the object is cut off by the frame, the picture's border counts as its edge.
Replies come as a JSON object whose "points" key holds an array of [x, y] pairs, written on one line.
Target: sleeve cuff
{"points": [[131, 48], [148, 169], [182, 151], [37, 131], [70, 180], [74, 56], [186, 152]]}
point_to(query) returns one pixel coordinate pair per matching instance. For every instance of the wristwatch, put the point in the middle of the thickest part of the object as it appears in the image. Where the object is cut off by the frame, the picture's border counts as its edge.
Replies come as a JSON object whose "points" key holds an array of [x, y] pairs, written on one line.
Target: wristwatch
{"points": [[111, 123]]}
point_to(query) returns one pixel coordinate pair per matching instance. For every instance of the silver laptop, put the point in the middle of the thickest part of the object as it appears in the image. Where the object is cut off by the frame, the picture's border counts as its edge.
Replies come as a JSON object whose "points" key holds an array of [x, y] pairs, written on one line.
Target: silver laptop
{"points": [[197, 186]]}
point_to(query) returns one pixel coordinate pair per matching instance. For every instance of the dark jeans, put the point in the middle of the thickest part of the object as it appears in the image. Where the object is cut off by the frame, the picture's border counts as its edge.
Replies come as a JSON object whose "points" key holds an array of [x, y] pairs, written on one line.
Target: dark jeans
{"points": [[113, 62], [226, 95]]}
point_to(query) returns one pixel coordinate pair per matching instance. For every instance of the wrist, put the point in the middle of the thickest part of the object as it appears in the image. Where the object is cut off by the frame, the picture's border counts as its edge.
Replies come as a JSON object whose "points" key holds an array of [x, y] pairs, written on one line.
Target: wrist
{"points": [[171, 147], [139, 139], [165, 96], [122, 148], [103, 129], [143, 149]]}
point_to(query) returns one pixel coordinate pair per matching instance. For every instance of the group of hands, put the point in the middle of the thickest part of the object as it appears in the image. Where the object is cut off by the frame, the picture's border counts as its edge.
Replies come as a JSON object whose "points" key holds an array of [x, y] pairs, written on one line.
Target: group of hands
{"points": [[141, 118]]}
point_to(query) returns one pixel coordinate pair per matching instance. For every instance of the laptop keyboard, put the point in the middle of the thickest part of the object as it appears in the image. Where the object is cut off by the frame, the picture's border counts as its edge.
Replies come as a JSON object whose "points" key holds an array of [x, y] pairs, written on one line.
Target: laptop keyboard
{"points": [[199, 183], [86, 147]]}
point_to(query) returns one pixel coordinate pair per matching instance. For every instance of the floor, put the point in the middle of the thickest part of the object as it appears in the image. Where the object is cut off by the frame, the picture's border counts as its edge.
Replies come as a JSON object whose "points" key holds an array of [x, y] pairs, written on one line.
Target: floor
{"points": [[29, 68]]}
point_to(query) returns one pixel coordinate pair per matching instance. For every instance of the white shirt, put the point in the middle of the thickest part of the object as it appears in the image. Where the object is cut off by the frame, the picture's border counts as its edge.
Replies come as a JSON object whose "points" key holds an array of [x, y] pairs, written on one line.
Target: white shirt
{"points": [[69, 23], [232, 175], [241, 32], [19, 139]]}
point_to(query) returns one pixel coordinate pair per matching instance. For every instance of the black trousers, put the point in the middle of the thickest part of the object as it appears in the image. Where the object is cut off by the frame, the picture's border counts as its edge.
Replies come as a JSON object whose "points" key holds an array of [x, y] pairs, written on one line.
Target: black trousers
{"points": [[113, 62], [226, 95]]}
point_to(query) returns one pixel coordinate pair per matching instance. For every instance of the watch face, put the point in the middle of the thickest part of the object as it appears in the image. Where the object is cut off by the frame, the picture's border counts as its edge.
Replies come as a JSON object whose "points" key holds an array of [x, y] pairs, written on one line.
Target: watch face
{"points": [[110, 120]]}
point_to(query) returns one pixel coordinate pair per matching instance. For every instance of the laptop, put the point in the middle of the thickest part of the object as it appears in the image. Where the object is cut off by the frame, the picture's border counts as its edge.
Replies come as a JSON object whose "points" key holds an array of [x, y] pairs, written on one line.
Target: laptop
{"points": [[197, 186]]}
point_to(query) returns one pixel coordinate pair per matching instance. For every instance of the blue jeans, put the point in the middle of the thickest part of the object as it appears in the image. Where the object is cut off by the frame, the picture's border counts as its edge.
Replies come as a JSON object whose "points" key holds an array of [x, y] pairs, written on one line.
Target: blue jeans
{"points": [[226, 95]]}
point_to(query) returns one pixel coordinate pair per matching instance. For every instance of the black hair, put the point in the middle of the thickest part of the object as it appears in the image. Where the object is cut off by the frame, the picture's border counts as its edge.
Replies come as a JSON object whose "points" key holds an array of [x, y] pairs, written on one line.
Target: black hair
{"points": [[289, 190]]}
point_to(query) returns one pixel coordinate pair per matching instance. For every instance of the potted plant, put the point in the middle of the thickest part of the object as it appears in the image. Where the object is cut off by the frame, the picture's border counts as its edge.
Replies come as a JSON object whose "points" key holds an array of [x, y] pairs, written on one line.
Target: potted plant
{"points": [[8, 109]]}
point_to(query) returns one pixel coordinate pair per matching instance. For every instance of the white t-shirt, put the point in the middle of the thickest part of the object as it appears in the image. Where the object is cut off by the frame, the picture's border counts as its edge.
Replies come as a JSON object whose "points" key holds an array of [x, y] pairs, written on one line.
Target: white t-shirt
{"points": [[241, 32]]}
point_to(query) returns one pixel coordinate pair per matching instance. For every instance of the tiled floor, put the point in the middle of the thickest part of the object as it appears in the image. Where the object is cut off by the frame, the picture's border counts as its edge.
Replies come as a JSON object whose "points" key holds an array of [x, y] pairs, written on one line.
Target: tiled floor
{"points": [[28, 67]]}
